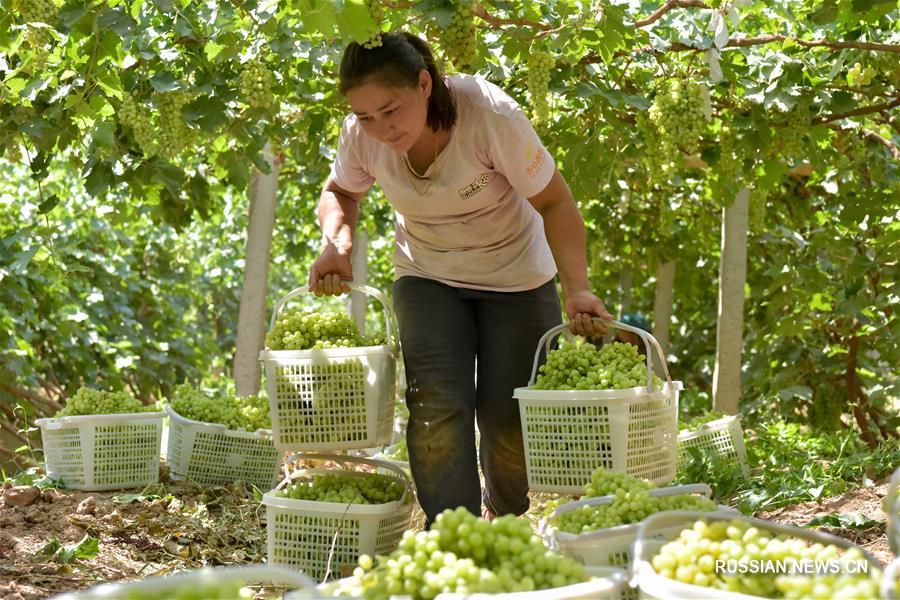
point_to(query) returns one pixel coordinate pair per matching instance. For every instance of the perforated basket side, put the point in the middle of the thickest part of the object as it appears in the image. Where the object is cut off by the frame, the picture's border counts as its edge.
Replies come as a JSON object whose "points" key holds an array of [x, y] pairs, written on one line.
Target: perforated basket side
{"points": [[210, 454], [338, 399], [724, 436], [568, 435], [323, 542], [103, 452]]}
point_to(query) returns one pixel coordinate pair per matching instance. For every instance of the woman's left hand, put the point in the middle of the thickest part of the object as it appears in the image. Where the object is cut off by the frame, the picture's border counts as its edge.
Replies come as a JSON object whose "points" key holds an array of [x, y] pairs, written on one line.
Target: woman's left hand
{"points": [[581, 307]]}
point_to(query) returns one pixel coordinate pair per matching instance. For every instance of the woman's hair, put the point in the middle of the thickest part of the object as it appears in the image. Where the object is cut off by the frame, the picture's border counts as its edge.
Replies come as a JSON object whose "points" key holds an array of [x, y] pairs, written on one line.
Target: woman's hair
{"points": [[397, 62]]}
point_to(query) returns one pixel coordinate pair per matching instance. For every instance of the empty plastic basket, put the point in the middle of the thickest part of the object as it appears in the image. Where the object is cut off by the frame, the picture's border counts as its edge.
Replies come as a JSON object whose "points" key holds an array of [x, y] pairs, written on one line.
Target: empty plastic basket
{"points": [[212, 454], [569, 434], [324, 538], [723, 436], [103, 452], [334, 399]]}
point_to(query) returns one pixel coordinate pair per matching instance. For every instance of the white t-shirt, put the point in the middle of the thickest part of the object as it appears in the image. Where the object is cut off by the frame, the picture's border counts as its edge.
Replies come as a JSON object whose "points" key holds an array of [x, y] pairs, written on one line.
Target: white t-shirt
{"points": [[474, 228]]}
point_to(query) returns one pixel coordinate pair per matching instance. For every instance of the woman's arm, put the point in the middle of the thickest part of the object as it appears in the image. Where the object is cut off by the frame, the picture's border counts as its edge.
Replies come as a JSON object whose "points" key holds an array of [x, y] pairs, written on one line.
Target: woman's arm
{"points": [[567, 237], [338, 213]]}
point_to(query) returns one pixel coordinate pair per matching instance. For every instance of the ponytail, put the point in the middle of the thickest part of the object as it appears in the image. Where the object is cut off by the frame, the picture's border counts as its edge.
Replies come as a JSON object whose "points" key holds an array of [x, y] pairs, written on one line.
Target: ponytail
{"points": [[397, 62]]}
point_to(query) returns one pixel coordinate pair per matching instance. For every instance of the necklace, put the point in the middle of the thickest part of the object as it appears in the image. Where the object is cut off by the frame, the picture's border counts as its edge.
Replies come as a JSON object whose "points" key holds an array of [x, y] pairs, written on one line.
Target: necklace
{"points": [[412, 176]]}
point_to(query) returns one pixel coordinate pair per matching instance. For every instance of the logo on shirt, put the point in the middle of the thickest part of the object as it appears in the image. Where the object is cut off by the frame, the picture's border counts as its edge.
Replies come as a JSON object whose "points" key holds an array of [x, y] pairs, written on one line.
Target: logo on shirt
{"points": [[536, 162], [474, 187]]}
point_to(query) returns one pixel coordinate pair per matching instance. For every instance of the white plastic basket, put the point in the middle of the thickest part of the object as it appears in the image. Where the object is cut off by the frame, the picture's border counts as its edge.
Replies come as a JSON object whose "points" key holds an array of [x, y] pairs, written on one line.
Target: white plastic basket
{"points": [[335, 399], [212, 454], [322, 538], [648, 544], [892, 508], [607, 583], [889, 580], [569, 434], [103, 452], [189, 581], [612, 546], [417, 518], [723, 436]]}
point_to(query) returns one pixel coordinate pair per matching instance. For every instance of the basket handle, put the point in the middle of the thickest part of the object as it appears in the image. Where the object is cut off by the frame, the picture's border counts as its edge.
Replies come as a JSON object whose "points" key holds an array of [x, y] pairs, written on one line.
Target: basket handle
{"points": [[648, 339], [670, 518], [372, 462], [889, 579], [366, 289]]}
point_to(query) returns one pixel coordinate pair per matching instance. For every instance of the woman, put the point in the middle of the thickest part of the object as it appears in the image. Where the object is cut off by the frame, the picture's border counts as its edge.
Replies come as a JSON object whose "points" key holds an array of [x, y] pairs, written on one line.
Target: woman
{"points": [[477, 198]]}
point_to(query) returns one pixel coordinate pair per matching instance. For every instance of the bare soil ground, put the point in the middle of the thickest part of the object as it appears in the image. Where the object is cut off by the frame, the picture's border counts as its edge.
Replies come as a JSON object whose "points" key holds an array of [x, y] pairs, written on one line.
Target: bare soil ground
{"points": [[173, 526]]}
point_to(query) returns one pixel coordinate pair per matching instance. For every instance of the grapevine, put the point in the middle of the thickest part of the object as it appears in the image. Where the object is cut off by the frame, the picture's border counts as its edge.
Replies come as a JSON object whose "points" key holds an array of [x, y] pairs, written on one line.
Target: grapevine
{"points": [[789, 138], [38, 11], [140, 120], [175, 135], [460, 40], [376, 11], [256, 84], [679, 114], [539, 66]]}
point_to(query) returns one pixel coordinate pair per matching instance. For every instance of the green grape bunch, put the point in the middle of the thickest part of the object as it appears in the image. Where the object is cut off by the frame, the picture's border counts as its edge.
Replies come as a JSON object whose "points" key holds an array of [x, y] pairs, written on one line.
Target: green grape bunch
{"points": [[296, 329], [581, 366], [691, 558], [790, 137], [192, 590], [631, 503], [464, 554], [376, 11], [371, 488], [460, 39], [680, 114], [38, 11], [859, 75], [256, 84], [132, 115], [539, 66], [249, 413], [175, 135], [88, 401]]}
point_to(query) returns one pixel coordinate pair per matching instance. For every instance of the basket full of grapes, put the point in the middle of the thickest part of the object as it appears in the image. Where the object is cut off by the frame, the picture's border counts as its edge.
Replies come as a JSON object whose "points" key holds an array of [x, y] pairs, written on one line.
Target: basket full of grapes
{"points": [[722, 436], [208, 583], [723, 556], [218, 439], [329, 387], [103, 441], [600, 529], [588, 408], [321, 520]]}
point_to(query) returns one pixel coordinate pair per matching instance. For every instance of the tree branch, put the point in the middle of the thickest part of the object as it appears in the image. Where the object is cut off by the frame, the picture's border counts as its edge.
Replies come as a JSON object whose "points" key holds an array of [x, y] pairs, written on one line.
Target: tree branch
{"points": [[669, 5], [46, 405], [874, 137], [498, 22], [865, 110]]}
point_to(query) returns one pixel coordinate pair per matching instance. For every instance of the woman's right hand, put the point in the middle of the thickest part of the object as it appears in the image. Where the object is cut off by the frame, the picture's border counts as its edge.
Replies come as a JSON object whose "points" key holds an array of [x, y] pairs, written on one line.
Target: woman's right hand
{"points": [[329, 272]]}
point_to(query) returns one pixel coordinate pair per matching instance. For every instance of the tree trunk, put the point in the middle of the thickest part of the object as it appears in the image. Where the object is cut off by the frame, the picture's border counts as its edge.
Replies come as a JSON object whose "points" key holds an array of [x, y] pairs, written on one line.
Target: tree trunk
{"points": [[252, 315], [730, 324], [625, 292], [662, 303], [360, 266]]}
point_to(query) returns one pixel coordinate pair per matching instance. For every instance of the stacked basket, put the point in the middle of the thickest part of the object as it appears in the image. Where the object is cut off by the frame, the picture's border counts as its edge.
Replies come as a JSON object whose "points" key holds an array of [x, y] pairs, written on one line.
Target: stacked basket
{"points": [[723, 437], [103, 452], [333, 400], [568, 434]]}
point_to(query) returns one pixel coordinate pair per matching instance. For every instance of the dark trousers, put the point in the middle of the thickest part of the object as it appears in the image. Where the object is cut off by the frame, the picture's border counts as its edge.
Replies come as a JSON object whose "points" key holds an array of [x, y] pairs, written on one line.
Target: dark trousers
{"points": [[443, 330]]}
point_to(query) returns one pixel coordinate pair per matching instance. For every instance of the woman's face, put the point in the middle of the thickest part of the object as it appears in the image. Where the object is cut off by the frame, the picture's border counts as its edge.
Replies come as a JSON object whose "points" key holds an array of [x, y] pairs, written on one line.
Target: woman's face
{"points": [[393, 115]]}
